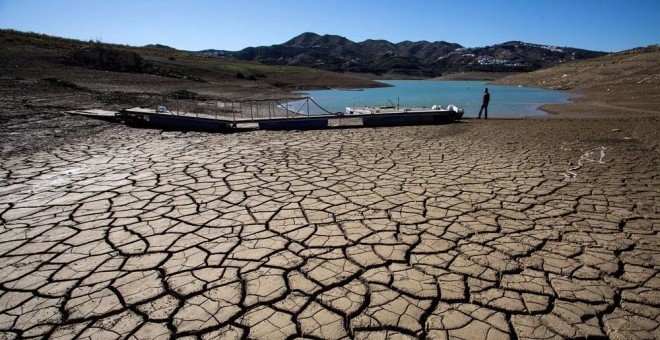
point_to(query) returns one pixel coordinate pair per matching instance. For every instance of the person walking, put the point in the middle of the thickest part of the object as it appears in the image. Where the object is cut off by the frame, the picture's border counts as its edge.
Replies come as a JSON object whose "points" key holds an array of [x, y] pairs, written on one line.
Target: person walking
{"points": [[484, 104]]}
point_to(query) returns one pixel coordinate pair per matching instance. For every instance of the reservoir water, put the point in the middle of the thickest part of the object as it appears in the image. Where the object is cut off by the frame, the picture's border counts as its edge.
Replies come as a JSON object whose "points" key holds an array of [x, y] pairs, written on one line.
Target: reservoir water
{"points": [[505, 101]]}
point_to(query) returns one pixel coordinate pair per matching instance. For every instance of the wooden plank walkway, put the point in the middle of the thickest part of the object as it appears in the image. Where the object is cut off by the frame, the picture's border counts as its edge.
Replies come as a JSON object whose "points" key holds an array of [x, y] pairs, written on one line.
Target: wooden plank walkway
{"points": [[96, 113]]}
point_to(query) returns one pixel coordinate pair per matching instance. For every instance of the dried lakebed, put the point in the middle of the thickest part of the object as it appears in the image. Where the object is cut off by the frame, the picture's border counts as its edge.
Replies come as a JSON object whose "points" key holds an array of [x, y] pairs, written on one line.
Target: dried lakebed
{"points": [[471, 230]]}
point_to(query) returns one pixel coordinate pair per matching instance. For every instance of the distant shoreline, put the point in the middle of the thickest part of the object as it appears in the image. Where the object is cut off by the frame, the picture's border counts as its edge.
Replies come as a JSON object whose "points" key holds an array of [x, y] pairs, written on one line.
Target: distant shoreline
{"points": [[460, 76]]}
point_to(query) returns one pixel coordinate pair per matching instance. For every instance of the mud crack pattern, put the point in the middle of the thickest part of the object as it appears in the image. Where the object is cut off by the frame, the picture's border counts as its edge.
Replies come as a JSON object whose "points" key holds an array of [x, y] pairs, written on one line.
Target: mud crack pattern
{"points": [[426, 232]]}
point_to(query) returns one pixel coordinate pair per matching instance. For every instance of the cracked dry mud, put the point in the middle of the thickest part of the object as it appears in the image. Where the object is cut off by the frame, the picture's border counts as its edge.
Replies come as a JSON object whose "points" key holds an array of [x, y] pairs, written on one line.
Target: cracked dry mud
{"points": [[472, 230]]}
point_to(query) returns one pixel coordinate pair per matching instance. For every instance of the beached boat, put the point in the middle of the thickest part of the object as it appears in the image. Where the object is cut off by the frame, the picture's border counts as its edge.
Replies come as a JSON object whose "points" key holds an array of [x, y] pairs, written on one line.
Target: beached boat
{"points": [[392, 115], [366, 110], [388, 115]]}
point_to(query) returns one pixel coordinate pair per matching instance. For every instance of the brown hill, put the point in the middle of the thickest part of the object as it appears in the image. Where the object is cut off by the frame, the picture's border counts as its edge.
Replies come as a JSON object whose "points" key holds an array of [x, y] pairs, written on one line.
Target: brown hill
{"points": [[35, 57], [627, 81]]}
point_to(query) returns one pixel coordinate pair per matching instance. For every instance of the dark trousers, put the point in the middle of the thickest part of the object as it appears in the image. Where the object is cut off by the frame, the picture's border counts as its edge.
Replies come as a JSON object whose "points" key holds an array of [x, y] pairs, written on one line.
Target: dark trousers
{"points": [[484, 107]]}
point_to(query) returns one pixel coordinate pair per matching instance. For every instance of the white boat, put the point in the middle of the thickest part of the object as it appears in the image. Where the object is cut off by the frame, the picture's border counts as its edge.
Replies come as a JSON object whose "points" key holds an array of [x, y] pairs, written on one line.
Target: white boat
{"points": [[436, 109], [392, 115]]}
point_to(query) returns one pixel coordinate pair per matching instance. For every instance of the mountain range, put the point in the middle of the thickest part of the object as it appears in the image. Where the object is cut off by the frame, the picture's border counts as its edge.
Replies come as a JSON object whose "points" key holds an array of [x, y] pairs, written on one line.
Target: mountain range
{"points": [[407, 58]]}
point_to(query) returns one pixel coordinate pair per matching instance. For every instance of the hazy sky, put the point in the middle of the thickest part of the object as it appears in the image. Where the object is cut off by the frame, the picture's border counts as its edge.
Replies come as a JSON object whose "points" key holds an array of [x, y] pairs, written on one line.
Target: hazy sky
{"points": [[606, 25]]}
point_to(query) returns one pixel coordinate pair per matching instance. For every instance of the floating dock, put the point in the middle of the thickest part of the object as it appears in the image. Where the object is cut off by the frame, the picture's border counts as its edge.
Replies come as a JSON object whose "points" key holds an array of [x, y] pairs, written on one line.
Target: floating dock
{"points": [[293, 120], [216, 123]]}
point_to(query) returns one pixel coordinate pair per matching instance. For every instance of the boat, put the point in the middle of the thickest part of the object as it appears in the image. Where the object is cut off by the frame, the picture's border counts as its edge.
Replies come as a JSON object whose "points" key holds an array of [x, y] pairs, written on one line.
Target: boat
{"points": [[394, 115], [383, 110]]}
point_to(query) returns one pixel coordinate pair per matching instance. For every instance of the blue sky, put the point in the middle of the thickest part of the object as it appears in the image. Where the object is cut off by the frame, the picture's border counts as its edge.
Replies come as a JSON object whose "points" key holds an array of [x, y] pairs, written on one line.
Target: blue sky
{"points": [[605, 25]]}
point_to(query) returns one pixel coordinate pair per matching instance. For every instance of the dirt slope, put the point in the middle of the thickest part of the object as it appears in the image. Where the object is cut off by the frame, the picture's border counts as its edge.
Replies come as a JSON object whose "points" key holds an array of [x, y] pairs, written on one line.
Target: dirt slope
{"points": [[626, 81], [35, 57]]}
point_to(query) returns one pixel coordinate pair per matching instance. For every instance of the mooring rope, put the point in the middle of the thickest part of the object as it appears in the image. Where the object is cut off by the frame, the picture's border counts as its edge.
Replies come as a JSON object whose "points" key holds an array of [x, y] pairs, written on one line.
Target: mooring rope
{"points": [[286, 107], [322, 108], [297, 112]]}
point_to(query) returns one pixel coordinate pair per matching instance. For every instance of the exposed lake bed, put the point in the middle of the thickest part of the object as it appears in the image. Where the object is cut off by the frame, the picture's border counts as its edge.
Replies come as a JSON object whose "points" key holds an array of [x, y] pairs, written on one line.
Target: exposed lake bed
{"points": [[503, 228]]}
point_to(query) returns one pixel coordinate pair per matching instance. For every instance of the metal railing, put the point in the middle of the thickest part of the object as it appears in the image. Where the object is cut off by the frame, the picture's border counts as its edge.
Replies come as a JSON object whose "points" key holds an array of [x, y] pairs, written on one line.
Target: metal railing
{"points": [[237, 110]]}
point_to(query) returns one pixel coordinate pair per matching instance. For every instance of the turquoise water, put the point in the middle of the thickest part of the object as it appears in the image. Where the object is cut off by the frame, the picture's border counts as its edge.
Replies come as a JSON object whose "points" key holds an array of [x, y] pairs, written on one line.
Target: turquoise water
{"points": [[505, 101]]}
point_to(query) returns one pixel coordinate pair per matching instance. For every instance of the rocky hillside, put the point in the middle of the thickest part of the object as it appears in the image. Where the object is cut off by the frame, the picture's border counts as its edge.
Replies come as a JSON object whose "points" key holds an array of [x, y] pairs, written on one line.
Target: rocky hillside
{"points": [[411, 58]]}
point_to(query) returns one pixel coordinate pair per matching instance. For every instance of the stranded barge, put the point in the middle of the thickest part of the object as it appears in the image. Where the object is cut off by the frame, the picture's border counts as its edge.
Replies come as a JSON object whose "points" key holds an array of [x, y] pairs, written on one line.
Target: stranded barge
{"points": [[280, 117]]}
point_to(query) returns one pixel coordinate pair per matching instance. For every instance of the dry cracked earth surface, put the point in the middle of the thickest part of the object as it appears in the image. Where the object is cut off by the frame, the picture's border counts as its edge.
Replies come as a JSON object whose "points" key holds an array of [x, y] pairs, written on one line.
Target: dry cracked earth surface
{"points": [[502, 229]]}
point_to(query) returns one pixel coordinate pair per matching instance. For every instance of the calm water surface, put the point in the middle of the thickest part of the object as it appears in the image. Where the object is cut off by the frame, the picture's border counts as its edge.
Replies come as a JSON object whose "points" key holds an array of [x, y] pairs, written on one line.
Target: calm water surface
{"points": [[505, 101]]}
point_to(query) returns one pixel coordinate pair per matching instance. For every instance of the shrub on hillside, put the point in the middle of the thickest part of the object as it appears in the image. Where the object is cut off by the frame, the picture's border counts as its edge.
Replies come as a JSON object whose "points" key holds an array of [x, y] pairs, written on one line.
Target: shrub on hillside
{"points": [[108, 59]]}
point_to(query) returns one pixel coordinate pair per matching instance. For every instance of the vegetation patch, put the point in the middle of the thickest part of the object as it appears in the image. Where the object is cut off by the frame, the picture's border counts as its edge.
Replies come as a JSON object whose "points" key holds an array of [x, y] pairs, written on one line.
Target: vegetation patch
{"points": [[185, 94], [62, 83], [104, 58], [109, 59]]}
